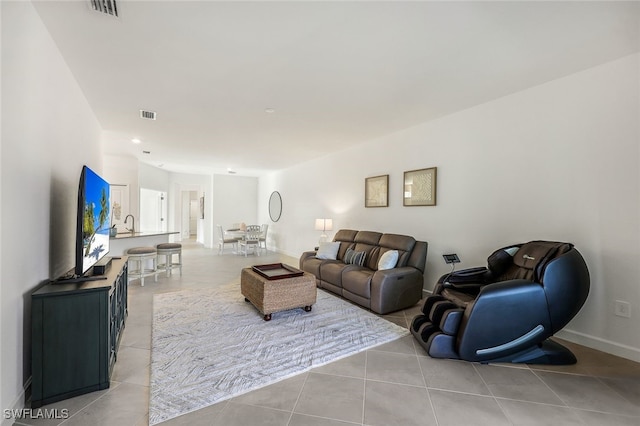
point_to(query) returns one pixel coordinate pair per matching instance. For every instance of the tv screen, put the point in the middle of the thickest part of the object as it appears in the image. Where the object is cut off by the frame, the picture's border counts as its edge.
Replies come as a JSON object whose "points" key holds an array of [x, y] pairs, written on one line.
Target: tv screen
{"points": [[94, 220]]}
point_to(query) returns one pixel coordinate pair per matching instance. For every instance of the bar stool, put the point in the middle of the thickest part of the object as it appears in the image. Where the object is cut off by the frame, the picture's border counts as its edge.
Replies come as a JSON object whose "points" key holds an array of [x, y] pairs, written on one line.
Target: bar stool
{"points": [[140, 256], [168, 250]]}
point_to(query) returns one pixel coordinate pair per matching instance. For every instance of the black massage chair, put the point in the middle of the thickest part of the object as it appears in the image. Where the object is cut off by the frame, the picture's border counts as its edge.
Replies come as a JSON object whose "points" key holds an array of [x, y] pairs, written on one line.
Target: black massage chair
{"points": [[507, 311]]}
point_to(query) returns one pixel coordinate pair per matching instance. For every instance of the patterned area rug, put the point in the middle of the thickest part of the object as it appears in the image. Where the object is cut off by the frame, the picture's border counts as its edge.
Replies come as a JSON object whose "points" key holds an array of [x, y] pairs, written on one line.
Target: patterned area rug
{"points": [[210, 345]]}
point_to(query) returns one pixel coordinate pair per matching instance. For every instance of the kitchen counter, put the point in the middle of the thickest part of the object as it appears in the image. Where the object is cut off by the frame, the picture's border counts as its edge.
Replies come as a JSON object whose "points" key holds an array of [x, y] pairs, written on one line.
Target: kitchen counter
{"points": [[123, 241], [122, 235]]}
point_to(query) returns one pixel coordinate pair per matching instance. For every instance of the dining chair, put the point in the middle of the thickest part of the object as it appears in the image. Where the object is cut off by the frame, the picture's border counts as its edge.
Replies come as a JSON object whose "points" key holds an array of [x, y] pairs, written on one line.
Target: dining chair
{"points": [[222, 241], [263, 237], [251, 240]]}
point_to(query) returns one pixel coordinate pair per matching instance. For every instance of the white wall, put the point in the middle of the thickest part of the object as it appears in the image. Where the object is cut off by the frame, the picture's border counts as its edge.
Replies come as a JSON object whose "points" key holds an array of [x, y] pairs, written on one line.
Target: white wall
{"points": [[124, 170], [234, 200], [154, 178], [559, 161], [48, 133]]}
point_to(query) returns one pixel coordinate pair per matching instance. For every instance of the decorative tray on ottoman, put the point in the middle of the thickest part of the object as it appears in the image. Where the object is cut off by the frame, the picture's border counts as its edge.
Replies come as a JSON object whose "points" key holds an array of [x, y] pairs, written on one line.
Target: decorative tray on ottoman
{"points": [[277, 271]]}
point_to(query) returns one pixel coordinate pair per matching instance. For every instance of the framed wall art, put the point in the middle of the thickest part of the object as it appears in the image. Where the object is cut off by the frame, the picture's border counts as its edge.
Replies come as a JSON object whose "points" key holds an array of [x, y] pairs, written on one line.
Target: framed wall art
{"points": [[420, 187], [119, 199], [376, 191]]}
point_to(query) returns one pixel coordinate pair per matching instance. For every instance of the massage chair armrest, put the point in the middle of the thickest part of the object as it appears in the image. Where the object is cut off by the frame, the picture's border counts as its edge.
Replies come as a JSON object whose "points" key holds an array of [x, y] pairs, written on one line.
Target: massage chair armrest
{"points": [[469, 280], [479, 275], [505, 317], [391, 289]]}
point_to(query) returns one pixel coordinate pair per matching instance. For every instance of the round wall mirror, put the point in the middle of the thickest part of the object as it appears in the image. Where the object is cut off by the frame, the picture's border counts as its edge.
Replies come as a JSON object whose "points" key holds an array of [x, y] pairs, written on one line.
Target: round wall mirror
{"points": [[275, 206]]}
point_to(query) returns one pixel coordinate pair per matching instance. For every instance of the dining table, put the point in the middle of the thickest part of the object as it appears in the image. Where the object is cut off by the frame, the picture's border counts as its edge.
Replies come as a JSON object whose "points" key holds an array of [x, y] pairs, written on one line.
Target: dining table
{"points": [[235, 233]]}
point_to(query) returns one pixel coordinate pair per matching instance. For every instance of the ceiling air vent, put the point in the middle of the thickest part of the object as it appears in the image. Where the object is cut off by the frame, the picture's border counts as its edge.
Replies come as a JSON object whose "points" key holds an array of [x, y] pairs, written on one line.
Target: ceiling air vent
{"points": [[147, 115], [105, 6]]}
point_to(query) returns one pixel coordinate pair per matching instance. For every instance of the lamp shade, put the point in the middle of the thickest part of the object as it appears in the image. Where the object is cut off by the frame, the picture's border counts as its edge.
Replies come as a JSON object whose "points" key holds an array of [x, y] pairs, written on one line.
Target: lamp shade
{"points": [[324, 225]]}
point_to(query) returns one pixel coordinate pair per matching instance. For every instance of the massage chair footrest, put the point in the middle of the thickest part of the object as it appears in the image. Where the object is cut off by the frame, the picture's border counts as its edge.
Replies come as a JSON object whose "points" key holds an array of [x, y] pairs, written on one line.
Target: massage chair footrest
{"points": [[447, 315], [430, 301], [431, 338]]}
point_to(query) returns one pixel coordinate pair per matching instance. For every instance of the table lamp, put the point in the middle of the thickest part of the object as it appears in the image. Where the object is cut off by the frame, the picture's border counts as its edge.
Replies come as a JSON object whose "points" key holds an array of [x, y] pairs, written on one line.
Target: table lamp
{"points": [[324, 225]]}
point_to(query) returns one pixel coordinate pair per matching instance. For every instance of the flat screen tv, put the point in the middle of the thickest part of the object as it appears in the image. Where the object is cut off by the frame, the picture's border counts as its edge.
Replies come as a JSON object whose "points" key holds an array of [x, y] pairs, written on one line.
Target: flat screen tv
{"points": [[93, 221]]}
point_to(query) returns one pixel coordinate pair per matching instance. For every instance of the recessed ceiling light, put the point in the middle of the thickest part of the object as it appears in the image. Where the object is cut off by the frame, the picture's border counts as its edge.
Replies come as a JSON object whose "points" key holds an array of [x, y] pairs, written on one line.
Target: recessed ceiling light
{"points": [[269, 110], [136, 140]]}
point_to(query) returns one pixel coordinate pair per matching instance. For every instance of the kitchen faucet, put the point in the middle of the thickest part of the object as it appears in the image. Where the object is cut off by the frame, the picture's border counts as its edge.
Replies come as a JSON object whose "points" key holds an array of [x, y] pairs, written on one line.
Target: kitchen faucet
{"points": [[133, 223]]}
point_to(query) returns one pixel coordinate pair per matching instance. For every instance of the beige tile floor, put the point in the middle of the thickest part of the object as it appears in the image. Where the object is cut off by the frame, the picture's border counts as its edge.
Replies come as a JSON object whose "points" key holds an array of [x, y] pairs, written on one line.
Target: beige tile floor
{"points": [[393, 384]]}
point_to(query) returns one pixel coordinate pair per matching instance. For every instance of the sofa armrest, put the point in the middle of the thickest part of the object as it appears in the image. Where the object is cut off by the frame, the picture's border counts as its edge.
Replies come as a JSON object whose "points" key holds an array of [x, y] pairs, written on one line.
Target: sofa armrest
{"points": [[305, 255], [395, 289]]}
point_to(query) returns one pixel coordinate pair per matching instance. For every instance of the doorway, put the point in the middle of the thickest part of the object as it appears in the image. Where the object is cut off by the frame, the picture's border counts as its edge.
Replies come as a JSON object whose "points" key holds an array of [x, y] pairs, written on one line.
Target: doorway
{"points": [[153, 211], [190, 215]]}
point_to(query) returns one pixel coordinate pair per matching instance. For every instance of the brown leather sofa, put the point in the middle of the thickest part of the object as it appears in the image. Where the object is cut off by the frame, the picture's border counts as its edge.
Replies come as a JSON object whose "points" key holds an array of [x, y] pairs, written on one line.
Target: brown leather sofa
{"points": [[382, 291]]}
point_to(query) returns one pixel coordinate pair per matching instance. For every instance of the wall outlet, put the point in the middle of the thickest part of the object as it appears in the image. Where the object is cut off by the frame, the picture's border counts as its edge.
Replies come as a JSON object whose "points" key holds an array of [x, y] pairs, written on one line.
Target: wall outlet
{"points": [[622, 309]]}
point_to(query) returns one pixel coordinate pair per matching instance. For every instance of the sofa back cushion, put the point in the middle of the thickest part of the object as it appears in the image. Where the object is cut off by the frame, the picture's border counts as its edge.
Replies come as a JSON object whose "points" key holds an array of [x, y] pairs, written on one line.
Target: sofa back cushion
{"points": [[403, 243], [346, 238], [368, 237], [375, 244], [367, 241], [347, 235]]}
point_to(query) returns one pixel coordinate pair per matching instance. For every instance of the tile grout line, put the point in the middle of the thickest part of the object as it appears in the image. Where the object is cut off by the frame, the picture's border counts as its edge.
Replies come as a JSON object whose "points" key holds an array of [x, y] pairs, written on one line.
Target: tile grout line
{"points": [[600, 379], [424, 380], [295, 405], [364, 388]]}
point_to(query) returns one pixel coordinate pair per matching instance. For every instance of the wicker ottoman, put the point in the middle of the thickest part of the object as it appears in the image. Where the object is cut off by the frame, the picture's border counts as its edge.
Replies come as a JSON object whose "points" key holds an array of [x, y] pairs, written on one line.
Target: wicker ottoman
{"points": [[270, 296]]}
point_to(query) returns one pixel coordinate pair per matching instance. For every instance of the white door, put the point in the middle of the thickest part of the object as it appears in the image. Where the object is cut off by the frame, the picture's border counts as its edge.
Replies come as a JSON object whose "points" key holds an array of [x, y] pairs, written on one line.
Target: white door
{"points": [[153, 211]]}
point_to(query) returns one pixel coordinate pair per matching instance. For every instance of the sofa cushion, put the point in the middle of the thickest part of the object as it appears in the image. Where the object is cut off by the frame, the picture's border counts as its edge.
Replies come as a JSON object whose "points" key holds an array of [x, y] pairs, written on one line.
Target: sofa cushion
{"points": [[367, 241], [368, 237], [344, 246], [358, 281], [345, 235], [328, 250], [388, 260], [332, 272], [346, 238], [354, 257], [403, 243]]}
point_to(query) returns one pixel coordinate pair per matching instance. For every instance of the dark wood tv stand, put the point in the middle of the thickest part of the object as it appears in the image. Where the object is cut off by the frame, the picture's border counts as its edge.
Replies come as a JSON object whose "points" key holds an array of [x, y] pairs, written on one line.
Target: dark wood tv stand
{"points": [[75, 334]]}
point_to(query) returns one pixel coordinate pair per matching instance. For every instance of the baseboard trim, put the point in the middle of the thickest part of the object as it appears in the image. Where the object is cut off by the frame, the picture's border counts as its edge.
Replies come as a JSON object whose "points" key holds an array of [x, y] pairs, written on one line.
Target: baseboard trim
{"points": [[18, 404], [603, 345], [286, 253]]}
